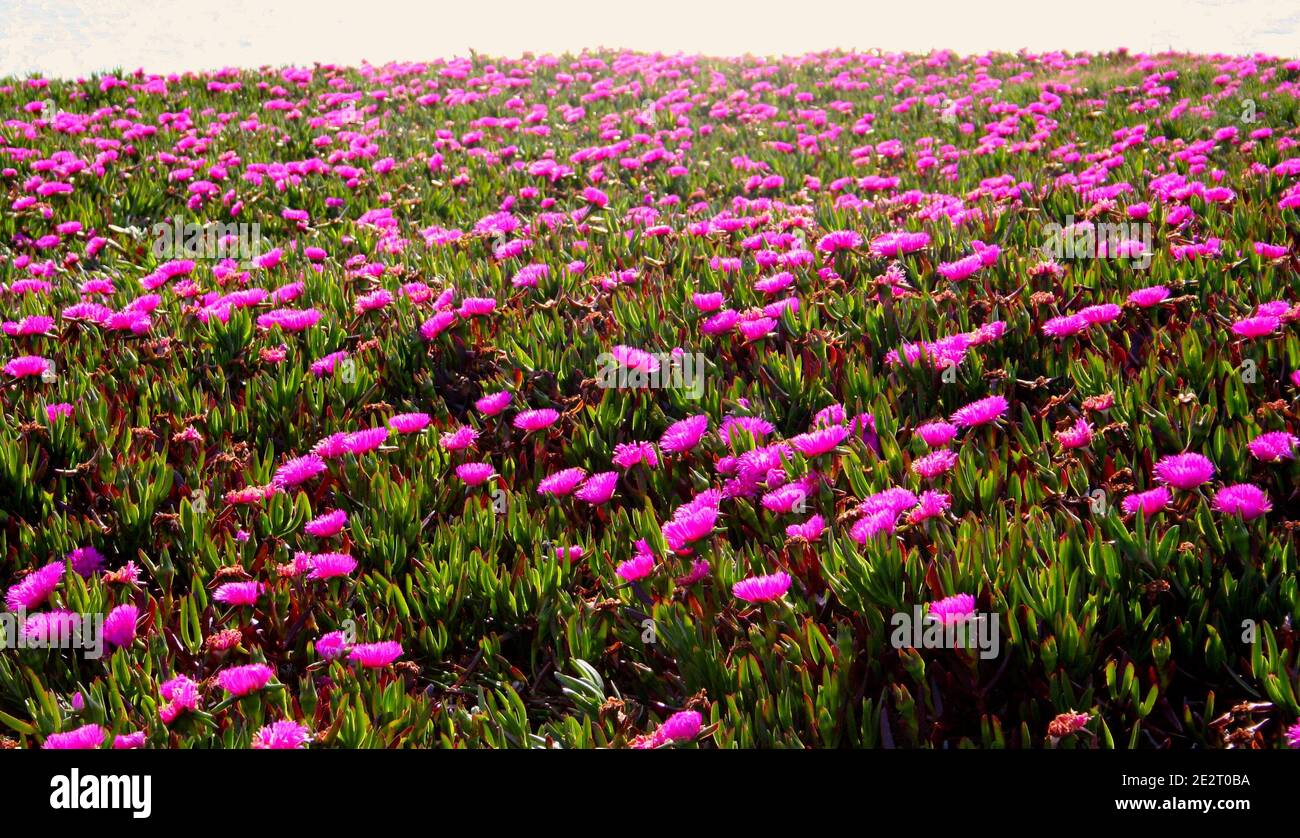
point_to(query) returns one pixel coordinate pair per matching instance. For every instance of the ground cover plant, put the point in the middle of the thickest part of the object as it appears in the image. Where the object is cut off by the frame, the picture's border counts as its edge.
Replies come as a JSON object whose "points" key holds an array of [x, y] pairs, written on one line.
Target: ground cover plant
{"points": [[626, 400]]}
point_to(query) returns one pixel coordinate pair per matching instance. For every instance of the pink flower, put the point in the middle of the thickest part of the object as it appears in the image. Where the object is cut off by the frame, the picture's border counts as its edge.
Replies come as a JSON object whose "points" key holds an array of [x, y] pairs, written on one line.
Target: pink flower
{"points": [[1149, 502], [629, 454], [935, 434], [298, 470], [27, 365], [692, 521], [86, 561], [762, 588], [1184, 471], [327, 524], [1293, 735], [475, 473], [1274, 446], [1079, 435], [809, 530], [980, 412], [493, 404], [437, 324], [680, 727], [1059, 327], [952, 609], [238, 593], [34, 588], [459, 439], [84, 738], [1244, 499], [535, 420], [641, 565], [376, 655], [935, 463], [1148, 297], [361, 442], [930, 505], [128, 741], [409, 423], [1255, 327], [331, 645], [598, 488], [684, 435], [119, 625], [331, 565], [839, 240], [820, 441], [281, 736], [180, 694], [242, 680], [562, 482]]}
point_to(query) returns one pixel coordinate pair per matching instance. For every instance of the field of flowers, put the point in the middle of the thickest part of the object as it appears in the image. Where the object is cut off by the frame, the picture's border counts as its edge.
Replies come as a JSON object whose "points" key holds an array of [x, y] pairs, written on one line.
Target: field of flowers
{"points": [[626, 400]]}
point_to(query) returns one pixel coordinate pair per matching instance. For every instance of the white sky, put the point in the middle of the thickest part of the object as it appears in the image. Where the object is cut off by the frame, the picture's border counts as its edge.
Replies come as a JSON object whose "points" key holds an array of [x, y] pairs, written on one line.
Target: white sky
{"points": [[68, 37]]}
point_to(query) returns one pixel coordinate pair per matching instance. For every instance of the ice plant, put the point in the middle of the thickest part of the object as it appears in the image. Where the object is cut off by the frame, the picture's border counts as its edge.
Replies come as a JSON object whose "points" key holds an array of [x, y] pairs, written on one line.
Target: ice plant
{"points": [[762, 588], [1244, 499], [952, 609], [284, 736], [1184, 471], [375, 655], [242, 680]]}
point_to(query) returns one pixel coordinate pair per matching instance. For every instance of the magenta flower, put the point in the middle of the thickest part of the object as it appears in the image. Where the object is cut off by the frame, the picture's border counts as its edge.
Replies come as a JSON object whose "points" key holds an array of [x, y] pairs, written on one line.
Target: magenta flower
{"points": [[84, 738], [935, 434], [475, 473], [1244, 499], [629, 454], [119, 625], [1149, 502], [930, 505], [458, 440], [1059, 327], [376, 655], [298, 470], [25, 366], [1274, 446], [238, 593], [180, 694], [935, 463], [242, 680], [1148, 297], [535, 420], [562, 482], [437, 324], [327, 524], [820, 441], [34, 588], [361, 442], [331, 645], [86, 561], [691, 522], [681, 727], [1078, 435], [598, 488], [980, 412], [331, 565], [1256, 327], [641, 565], [409, 423], [493, 404], [1293, 735], [839, 240], [1184, 471], [128, 741], [809, 530], [281, 736], [47, 628], [952, 609], [762, 588], [684, 435]]}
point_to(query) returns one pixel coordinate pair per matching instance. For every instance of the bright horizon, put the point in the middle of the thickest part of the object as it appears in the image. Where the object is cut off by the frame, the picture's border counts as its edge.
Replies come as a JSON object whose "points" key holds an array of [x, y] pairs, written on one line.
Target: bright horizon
{"points": [[78, 37]]}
